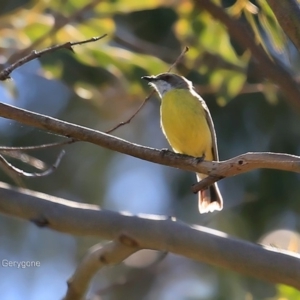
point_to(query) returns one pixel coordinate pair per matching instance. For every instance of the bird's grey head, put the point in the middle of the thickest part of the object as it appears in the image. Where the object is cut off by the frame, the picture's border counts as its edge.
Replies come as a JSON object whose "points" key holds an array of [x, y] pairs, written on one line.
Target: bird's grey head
{"points": [[165, 82]]}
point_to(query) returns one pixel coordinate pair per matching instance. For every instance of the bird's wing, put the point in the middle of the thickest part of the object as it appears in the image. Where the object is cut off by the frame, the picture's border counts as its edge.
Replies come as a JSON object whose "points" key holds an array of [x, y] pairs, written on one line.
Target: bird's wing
{"points": [[213, 134], [211, 128]]}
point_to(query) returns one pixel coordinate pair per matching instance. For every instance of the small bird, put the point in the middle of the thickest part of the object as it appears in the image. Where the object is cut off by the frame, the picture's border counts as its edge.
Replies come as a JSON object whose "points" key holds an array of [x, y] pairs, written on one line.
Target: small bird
{"points": [[187, 124]]}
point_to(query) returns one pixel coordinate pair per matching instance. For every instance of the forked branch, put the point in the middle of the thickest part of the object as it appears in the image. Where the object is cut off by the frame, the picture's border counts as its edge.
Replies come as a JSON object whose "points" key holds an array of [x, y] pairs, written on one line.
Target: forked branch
{"points": [[152, 232], [234, 166]]}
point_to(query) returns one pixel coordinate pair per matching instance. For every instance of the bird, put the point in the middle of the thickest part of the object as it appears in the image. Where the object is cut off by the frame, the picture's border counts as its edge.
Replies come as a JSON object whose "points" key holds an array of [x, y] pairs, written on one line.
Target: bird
{"points": [[188, 126]]}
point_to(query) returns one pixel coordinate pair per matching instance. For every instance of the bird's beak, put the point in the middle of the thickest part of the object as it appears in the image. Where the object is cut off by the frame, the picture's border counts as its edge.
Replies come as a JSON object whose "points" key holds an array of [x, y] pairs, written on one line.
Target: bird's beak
{"points": [[149, 78]]}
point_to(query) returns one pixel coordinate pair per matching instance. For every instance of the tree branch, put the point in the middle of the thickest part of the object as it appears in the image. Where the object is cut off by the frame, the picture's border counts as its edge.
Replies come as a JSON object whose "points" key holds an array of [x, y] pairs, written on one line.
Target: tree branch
{"points": [[234, 166], [98, 257], [4, 74], [20, 172], [275, 72], [287, 13], [247, 162], [153, 232]]}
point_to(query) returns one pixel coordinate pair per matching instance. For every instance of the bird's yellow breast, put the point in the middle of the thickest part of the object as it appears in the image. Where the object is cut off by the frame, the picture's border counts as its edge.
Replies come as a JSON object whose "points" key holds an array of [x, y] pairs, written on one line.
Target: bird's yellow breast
{"points": [[184, 124]]}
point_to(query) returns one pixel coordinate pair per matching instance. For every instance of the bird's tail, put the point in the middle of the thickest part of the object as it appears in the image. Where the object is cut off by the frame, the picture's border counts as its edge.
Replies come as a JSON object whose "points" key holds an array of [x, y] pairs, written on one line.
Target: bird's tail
{"points": [[210, 199]]}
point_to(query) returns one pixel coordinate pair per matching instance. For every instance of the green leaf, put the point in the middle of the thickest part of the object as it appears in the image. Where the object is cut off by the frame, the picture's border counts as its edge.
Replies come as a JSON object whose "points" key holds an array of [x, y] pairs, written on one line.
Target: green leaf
{"points": [[287, 292]]}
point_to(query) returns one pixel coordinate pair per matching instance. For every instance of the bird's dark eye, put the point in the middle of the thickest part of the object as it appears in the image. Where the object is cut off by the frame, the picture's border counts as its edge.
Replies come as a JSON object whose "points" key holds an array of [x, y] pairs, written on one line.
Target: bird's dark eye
{"points": [[167, 77]]}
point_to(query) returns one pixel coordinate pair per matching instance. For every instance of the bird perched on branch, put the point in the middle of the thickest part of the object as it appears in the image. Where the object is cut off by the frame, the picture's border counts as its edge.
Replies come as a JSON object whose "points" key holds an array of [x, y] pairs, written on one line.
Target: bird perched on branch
{"points": [[187, 124]]}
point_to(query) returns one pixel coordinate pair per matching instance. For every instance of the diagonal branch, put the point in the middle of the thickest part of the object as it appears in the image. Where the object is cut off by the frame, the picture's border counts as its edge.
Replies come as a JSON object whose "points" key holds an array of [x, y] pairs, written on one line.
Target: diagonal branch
{"points": [[132, 116], [4, 74], [287, 13], [153, 232], [234, 166], [98, 257], [185, 50], [275, 72]]}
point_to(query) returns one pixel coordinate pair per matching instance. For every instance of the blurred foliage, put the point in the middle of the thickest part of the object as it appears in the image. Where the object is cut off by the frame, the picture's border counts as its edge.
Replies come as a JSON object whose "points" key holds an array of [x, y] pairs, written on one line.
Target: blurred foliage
{"points": [[99, 86]]}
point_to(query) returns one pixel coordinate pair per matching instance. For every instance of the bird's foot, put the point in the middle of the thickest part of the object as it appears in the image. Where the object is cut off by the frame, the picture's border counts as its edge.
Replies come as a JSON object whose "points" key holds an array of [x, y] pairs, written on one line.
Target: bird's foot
{"points": [[200, 159], [165, 151]]}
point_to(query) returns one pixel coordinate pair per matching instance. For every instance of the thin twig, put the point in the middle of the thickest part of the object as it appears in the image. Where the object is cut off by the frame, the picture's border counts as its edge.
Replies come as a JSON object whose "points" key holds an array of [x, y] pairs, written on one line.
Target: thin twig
{"points": [[18, 181], [4, 74], [136, 112], [20, 172], [17, 153], [6, 150], [186, 49], [25, 158]]}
